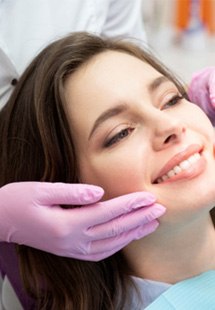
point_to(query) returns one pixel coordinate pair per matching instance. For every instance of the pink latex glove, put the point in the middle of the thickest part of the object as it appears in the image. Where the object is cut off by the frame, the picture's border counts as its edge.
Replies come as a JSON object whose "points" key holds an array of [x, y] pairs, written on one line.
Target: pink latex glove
{"points": [[30, 214], [202, 91]]}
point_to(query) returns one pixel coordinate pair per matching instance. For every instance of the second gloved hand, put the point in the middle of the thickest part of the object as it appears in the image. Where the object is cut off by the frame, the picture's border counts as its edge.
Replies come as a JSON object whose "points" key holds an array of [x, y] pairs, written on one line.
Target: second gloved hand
{"points": [[30, 214], [202, 91]]}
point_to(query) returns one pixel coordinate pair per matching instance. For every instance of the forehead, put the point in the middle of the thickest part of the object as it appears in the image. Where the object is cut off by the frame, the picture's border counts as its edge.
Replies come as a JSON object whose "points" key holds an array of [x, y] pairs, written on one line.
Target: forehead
{"points": [[109, 72], [119, 63], [107, 79]]}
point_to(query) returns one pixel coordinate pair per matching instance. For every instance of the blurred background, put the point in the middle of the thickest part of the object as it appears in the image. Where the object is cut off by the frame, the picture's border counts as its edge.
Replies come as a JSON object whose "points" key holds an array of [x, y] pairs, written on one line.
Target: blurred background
{"points": [[181, 33]]}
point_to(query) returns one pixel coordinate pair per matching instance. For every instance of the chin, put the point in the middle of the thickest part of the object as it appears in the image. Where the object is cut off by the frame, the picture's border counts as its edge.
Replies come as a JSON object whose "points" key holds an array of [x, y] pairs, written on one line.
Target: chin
{"points": [[186, 205]]}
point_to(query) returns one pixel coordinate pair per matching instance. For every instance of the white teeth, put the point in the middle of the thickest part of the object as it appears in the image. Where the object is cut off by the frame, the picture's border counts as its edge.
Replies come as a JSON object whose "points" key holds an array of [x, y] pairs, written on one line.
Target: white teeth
{"points": [[197, 156], [170, 173], [184, 165], [192, 159], [164, 177], [177, 169]]}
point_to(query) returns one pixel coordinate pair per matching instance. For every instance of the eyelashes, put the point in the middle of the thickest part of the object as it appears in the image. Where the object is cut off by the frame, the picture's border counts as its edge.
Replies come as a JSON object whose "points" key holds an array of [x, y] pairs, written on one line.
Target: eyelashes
{"points": [[125, 132], [173, 101], [122, 134]]}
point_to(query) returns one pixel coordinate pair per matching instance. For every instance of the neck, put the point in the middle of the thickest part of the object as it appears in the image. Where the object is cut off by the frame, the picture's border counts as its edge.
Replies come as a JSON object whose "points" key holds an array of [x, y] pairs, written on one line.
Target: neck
{"points": [[171, 255]]}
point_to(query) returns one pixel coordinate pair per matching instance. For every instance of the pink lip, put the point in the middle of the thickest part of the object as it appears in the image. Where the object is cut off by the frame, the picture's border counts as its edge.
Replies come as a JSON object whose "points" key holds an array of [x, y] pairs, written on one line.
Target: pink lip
{"points": [[176, 159]]}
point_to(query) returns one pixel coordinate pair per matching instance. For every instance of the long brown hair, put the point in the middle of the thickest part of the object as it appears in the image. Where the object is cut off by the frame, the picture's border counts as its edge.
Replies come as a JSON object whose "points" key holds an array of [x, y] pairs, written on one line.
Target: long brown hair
{"points": [[36, 145]]}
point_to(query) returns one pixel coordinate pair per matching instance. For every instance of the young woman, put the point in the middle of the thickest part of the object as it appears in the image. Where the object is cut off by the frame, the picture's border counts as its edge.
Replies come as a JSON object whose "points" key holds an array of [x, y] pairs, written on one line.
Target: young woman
{"points": [[107, 113]]}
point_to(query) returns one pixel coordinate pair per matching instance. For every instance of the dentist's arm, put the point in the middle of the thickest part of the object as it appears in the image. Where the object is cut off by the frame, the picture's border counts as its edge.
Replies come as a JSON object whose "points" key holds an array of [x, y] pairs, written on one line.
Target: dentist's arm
{"points": [[30, 214], [202, 91]]}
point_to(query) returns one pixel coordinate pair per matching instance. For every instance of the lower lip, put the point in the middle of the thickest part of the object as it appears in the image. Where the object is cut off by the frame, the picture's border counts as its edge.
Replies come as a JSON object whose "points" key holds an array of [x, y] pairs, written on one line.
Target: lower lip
{"points": [[193, 171]]}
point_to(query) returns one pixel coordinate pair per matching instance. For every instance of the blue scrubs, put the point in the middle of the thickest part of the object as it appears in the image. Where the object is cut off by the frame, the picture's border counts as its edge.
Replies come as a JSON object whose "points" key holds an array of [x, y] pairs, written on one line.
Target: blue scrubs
{"points": [[197, 293]]}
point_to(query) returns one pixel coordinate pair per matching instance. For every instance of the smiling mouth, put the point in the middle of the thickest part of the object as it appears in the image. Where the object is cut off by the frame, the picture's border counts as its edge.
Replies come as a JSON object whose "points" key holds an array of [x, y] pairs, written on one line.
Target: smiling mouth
{"points": [[183, 166]]}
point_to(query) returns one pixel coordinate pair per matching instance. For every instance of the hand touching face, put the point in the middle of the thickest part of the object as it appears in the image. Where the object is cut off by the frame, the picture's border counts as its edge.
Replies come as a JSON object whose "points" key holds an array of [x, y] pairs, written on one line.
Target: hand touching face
{"points": [[134, 131]]}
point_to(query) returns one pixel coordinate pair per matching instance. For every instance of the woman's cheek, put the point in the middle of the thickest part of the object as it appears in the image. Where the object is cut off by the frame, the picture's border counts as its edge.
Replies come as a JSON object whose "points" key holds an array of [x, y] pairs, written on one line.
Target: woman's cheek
{"points": [[117, 177], [121, 182]]}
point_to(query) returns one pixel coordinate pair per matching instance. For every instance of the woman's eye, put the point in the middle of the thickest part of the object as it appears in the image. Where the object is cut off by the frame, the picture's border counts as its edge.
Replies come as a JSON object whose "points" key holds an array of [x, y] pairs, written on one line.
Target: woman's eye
{"points": [[118, 137], [173, 101]]}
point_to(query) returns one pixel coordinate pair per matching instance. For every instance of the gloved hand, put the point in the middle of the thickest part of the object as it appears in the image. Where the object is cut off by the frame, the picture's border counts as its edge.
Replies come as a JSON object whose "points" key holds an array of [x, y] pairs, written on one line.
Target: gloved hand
{"points": [[30, 214], [202, 91]]}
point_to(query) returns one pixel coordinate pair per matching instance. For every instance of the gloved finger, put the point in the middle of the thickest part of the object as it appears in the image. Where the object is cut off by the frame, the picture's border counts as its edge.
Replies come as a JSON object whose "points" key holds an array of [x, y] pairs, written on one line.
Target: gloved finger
{"points": [[212, 88], [101, 249], [126, 222], [108, 210], [68, 194]]}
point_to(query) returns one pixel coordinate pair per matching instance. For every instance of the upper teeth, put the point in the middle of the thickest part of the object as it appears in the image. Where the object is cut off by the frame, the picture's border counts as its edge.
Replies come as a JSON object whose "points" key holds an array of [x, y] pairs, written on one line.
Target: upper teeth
{"points": [[184, 165]]}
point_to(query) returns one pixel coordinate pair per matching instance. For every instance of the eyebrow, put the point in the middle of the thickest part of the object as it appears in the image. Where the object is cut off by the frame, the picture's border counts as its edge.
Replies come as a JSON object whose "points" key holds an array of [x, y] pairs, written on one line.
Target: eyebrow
{"points": [[157, 82], [120, 108]]}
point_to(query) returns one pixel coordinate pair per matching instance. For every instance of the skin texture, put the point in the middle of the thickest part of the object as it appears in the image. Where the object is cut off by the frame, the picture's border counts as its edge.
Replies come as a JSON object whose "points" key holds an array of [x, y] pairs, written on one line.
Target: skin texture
{"points": [[127, 150], [148, 122], [123, 151]]}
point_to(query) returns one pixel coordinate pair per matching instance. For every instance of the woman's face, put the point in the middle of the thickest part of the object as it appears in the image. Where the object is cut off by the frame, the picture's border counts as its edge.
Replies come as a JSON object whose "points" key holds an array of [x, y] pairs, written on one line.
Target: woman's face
{"points": [[134, 132]]}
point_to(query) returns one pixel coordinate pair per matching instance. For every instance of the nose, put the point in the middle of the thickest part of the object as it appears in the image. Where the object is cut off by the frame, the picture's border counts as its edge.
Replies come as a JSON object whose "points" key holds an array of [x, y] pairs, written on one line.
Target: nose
{"points": [[167, 131]]}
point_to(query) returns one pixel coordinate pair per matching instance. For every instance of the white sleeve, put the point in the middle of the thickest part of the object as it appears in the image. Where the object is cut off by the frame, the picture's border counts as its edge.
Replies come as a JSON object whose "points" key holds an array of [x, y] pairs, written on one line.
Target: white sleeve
{"points": [[1, 282], [9, 299], [125, 19]]}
